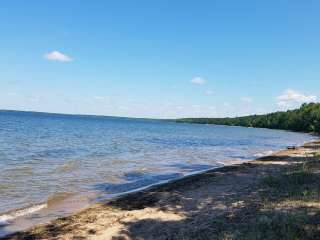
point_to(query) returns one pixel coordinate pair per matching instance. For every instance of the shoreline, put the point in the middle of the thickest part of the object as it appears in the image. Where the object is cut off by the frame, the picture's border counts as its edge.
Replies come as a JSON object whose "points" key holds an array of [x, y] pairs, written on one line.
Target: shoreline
{"points": [[23, 218], [78, 203], [26, 213], [88, 202], [115, 213]]}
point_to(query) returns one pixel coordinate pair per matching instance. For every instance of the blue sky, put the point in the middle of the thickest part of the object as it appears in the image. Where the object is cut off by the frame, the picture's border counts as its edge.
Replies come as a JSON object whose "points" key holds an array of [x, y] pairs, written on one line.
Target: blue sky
{"points": [[159, 59]]}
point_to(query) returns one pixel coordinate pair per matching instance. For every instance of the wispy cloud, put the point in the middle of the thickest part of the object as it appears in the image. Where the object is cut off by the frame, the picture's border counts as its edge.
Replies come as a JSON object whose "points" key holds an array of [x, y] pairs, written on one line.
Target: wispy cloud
{"points": [[208, 92], [246, 99], [198, 80], [290, 96], [98, 98], [33, 98], [226, 104], [14, 94], [57, 56]]}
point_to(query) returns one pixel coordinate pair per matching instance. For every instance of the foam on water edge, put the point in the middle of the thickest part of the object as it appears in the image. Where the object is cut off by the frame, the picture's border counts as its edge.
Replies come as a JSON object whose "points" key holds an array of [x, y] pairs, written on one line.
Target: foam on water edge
{"points": [[263, 154], [6, 218]]}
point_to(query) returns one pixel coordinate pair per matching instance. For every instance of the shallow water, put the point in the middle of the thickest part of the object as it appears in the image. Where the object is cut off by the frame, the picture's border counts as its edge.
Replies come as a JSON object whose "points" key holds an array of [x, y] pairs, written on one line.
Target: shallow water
{"points": [[47, 158]]}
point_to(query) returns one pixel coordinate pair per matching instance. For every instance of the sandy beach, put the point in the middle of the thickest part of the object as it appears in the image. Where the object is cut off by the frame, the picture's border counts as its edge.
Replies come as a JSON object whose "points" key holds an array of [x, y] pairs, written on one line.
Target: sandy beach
{"points": [[232, 202]]}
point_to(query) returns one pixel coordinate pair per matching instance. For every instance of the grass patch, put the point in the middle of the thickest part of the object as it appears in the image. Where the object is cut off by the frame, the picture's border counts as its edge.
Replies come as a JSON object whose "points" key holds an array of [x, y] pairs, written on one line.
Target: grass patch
{"points": [[317, 155], [300, 182], [297, 225], [298, 186]]}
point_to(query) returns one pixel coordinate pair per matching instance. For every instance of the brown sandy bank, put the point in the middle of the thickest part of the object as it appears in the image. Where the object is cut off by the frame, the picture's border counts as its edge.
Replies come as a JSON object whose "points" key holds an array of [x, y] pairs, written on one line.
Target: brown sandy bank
{"points": [[275, 197]]}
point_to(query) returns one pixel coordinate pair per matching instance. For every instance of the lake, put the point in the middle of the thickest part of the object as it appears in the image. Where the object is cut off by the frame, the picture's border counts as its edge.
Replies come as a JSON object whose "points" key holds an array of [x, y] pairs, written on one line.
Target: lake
{"points": [[50, 158]]}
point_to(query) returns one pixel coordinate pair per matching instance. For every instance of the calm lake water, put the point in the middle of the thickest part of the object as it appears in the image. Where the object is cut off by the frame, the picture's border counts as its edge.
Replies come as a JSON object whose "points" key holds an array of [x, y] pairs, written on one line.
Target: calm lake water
{"points": [[46, 158]]}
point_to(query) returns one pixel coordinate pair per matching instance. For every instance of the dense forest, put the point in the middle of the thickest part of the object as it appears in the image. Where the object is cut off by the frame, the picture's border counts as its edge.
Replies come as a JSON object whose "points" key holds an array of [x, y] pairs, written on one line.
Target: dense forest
{"points": [[304, 119]]}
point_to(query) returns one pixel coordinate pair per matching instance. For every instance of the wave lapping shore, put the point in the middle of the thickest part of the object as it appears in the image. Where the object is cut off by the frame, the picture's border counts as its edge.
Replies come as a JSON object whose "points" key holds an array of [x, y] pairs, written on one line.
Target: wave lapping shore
{"points": [[274, 197], [71, 162]]}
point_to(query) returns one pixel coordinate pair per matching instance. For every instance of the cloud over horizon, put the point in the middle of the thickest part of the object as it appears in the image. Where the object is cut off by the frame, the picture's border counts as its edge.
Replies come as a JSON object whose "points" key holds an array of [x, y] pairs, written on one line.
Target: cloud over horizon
{"points": [[246, 99], [57, 56], [198, 80], [209, 92], [291, 96]]}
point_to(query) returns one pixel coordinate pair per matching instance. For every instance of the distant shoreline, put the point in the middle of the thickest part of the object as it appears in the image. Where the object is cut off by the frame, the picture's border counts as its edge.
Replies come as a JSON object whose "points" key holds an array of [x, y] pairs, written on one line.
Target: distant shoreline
{"points": [[305, 119], [78, 115]]}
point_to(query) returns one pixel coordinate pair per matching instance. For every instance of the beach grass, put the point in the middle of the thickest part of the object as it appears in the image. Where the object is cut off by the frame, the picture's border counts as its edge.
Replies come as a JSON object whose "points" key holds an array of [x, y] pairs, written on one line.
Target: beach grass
{"points": [[289, 206]]}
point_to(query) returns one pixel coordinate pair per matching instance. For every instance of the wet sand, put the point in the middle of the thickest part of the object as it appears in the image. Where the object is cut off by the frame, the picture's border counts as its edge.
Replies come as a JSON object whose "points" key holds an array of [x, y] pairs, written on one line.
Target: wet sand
{"points": [[195, 207]]}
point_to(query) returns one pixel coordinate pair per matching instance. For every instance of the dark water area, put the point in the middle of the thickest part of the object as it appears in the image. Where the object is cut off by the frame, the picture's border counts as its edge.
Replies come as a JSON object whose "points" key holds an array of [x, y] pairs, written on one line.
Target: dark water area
{"points": [[47, 158]]}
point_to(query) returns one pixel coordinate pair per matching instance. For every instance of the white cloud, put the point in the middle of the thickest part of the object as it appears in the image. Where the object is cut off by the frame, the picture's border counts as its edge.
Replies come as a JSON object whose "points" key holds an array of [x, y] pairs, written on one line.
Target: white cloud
{"points": [[246, 99], [58, 56], [34, 99], [123, 108], [14, 94], [290, 96], [98, 98], [283, 104], [226, 104], [209, 92], [195, 106], [198, 80]]}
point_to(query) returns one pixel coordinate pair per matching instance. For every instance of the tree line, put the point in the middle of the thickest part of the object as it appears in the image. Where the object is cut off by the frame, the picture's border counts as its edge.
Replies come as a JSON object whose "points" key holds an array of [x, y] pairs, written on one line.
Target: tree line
{"points": [[304, 119]]}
